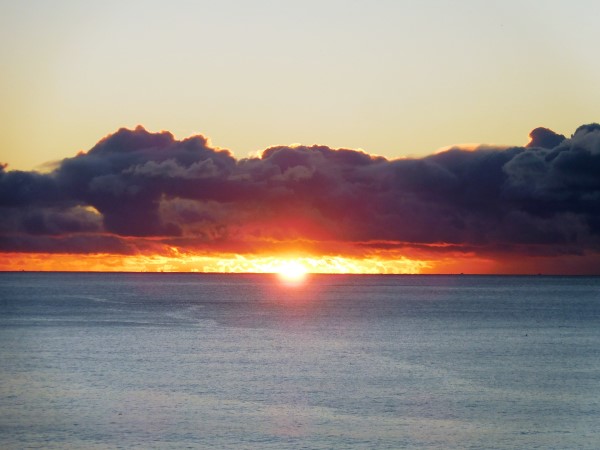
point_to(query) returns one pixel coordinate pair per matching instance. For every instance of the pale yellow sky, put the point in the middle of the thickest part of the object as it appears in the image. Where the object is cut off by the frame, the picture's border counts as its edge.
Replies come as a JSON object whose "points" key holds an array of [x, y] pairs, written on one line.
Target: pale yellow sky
{"points": [[395, 78]]}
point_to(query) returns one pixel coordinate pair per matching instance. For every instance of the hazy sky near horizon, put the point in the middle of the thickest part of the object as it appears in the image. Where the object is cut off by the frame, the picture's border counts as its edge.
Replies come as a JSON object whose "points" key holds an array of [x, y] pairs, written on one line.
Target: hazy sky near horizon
{"points": [[395, 78]]}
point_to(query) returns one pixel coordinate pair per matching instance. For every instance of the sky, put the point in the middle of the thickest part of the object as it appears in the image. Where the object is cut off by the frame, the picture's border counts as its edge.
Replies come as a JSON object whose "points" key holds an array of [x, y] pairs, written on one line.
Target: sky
{"points": [[401, 80]]}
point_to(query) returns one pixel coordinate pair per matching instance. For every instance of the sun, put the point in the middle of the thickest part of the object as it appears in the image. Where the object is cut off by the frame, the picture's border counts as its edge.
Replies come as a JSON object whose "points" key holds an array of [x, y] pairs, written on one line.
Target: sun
{"points": [[292, 272]]}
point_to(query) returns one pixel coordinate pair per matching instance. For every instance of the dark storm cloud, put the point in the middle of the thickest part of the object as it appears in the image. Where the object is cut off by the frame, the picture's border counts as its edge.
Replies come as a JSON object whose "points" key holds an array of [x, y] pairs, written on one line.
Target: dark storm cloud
{"points": [[540, 199], [18, 188], [52, 221], [75, 244], [544, 138], [126, 174]]}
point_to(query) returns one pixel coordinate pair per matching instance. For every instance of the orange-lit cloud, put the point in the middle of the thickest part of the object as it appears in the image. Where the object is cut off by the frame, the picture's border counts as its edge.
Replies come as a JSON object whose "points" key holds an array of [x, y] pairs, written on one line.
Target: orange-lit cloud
{"points": [[146, 201]]}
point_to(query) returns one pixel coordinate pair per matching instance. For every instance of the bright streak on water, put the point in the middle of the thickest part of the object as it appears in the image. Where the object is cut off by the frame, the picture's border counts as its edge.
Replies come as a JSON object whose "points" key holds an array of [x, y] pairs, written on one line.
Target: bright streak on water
{"points": [[244, 361]]}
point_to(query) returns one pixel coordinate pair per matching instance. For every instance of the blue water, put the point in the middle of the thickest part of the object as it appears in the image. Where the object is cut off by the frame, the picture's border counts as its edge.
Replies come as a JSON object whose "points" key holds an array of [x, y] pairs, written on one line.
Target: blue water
{"points": [[350, 362]]}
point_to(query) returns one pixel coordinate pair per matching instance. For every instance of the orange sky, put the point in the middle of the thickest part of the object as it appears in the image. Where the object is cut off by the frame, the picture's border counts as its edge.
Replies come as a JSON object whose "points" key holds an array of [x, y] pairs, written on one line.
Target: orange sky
{"points": [[228, 263]]}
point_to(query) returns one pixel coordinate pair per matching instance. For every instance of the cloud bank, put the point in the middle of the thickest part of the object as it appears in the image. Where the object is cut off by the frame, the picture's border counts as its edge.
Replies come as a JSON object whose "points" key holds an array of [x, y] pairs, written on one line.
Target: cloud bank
{"points": [[137, 192]]}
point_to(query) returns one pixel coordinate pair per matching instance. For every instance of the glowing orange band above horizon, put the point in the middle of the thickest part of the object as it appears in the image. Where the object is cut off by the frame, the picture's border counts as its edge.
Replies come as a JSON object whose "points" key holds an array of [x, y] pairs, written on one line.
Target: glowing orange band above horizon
{"points": [[209, 264]]}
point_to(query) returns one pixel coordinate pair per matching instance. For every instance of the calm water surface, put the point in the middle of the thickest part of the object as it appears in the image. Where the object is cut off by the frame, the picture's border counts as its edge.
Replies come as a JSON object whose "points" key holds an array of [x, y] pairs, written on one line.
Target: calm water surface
{"points": [[350, 362]]}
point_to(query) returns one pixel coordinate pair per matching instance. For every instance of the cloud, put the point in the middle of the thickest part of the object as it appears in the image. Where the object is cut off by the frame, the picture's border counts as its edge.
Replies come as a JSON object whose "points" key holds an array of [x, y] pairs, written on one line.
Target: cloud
{"points": [[544, 138], [542, 199], [18, 188]]}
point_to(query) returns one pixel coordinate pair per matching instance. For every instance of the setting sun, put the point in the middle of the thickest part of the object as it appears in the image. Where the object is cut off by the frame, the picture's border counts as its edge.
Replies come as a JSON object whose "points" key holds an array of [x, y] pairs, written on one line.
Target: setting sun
{"points": [[292, 271]]}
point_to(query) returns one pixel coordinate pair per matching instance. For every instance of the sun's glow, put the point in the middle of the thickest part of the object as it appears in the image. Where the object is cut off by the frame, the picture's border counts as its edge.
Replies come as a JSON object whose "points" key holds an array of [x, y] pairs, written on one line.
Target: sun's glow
{"points": [[292, 271]]}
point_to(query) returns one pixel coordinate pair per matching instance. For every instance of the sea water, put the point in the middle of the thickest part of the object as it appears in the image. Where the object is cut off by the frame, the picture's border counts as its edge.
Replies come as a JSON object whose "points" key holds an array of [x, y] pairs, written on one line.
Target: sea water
{"points": [[337, 362]]}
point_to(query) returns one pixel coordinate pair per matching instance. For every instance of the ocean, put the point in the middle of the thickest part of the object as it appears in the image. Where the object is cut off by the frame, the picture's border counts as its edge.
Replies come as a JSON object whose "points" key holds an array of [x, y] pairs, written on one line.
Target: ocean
{"points": [[122, 360]]}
